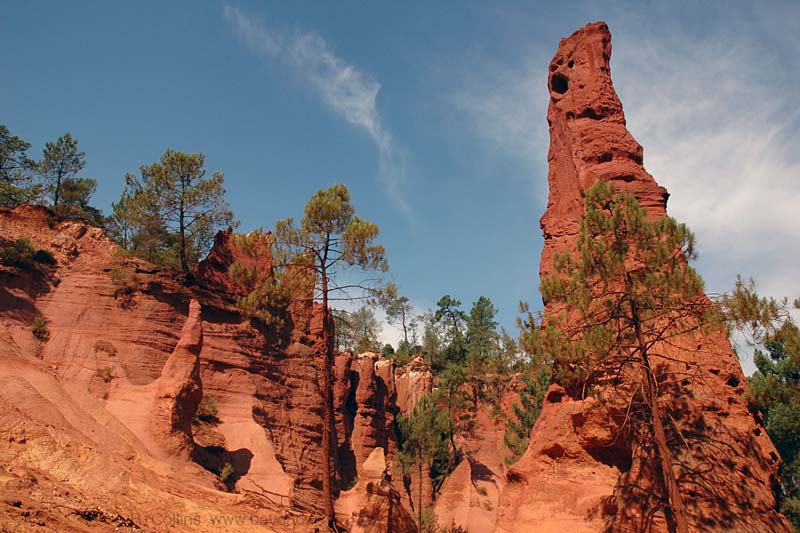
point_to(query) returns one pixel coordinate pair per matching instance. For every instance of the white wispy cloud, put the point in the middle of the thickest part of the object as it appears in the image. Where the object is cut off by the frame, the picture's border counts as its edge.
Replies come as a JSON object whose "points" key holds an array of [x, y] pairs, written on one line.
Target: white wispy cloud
{"points": [[717, 132], [720, 135], [344, 88], [507, 105]]}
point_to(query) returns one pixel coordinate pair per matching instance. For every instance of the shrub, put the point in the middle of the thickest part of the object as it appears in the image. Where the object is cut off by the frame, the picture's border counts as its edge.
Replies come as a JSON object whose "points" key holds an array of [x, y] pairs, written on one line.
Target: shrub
{"points": [[107, 373], [125, 284], [105, 346], [22, 254], [123, 279], [226, 473], [44, 257], [207, 410], [482, 491], [39, 329], [18, 254]]}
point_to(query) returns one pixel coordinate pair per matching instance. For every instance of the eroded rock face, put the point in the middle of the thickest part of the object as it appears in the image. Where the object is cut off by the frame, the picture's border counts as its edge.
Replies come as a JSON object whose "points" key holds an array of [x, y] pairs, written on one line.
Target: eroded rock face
{"points": [[583, 471], [414, 381], [113, 349], [180, 388], [373, 505], [366, 408]]}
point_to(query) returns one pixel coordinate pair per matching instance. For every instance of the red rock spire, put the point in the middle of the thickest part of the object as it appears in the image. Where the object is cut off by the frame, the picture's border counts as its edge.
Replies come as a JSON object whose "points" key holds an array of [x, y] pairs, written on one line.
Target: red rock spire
{"points": [[583, 471], [588, 139]]}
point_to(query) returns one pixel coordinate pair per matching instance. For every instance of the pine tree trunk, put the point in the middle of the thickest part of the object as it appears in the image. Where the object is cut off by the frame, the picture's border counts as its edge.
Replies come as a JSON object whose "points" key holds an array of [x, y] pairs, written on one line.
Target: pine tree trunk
{"points": [[405, 334], [681, 522], [419, 498], [327, 422], [182, 228]]}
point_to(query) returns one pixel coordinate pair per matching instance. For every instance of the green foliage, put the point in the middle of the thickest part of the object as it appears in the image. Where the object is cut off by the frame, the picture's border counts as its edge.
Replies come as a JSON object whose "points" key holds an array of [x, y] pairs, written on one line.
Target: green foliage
{"points": [[425, 448], [387, 351], [306, 260], [61, 161], [106, 374], [39, 329], [329, 240], [630, 274], [482, 347], [74, 201], [18, 254], [455, 399], [402, 358], [16, 171], [628, 290], [449, 313], [482, 334], [266, 294], [775, 386], [170, 214], [43, 257], [207, 410], [526, 412], [124, 280], [452, 528], [227, 472], [400, 312], [432, 340], [21, 253], [360, 330]]}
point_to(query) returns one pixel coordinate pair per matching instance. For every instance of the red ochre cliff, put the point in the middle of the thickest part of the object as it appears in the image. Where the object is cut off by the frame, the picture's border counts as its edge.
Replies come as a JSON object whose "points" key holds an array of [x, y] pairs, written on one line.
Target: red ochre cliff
{"points": [[581, 471], [97, 418]]}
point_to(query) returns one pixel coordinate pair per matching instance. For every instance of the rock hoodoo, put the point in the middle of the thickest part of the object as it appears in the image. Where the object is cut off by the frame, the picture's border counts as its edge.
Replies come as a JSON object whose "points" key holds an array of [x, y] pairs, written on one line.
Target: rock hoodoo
{"points": [[373, 505], [179, 388], [580, 468]]}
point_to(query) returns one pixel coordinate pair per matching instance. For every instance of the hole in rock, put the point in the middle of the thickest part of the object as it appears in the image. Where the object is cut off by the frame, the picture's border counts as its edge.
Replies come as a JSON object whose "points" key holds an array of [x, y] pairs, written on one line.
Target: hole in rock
{"points": [[590, 113], [554, 451], [571, 64], [559, 83], [733, 381], [605, 158], [616, 455]]}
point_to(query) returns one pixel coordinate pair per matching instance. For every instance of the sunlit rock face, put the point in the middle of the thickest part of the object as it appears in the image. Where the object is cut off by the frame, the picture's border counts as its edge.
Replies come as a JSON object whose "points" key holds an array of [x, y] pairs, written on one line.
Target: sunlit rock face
{"points": [[584, 470], [106, 401]]}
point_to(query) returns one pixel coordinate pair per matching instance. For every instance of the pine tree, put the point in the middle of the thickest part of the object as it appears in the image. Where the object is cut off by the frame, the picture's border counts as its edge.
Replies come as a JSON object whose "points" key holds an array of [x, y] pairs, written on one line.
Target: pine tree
{"points": [[329, 240], [16, 171], [364, 329], [449, 312], [61, 161], [399, 311], [526, 412], [626, 292], [768, 327], [481, 342], [481, 329], [424, 440], [174, 210]]}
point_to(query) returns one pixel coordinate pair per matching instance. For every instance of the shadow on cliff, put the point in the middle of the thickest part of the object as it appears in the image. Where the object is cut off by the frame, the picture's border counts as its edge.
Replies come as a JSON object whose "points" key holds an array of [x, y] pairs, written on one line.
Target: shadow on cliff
{"points": [[710, 458], [215, 458], [34, 282]]}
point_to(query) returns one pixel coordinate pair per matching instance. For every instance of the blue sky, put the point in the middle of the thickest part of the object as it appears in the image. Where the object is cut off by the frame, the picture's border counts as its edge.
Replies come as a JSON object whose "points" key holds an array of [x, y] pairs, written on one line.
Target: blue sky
{"points": [[432, 113]]}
